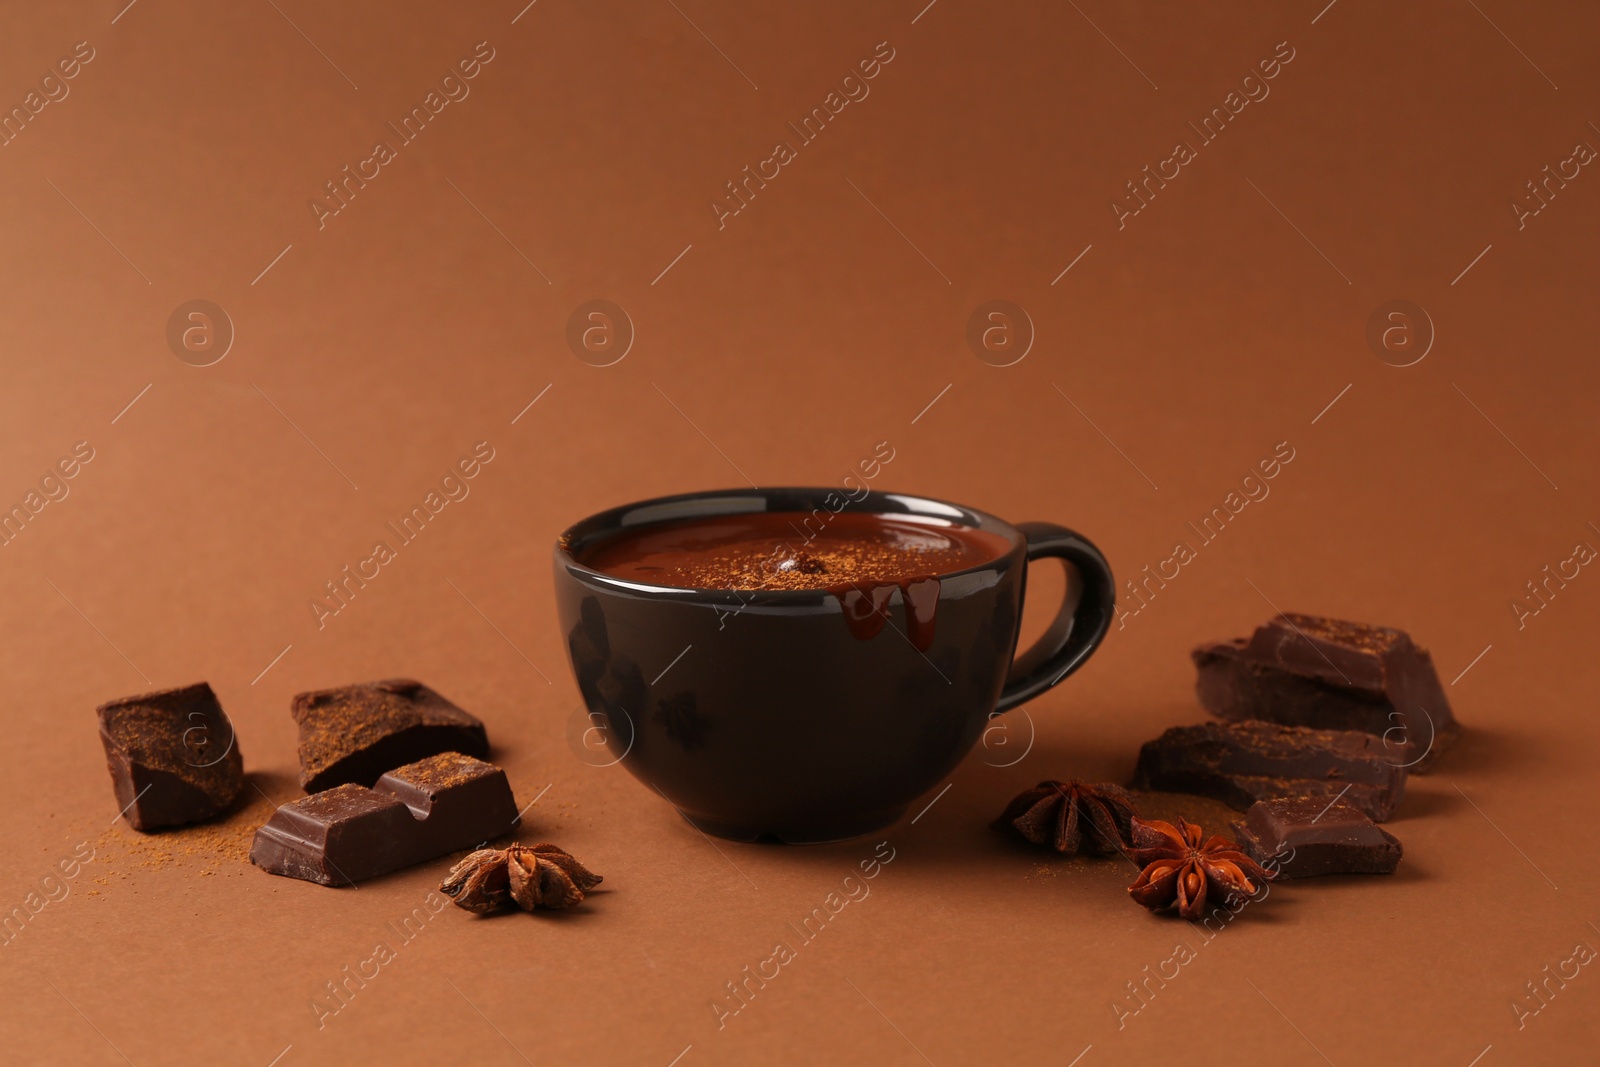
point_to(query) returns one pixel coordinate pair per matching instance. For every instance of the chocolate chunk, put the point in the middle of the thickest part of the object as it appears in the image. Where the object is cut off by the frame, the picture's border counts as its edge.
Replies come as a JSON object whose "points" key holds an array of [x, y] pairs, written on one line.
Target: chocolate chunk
{"points": [[172, 755], [1241, 763], [356, 732], [417, 813], [1306, 836], [1303, 670]]}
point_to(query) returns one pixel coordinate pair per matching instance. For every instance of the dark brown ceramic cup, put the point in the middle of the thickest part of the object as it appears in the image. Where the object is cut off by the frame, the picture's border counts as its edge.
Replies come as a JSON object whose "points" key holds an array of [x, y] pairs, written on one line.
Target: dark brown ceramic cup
{"points": [[761, 715]]}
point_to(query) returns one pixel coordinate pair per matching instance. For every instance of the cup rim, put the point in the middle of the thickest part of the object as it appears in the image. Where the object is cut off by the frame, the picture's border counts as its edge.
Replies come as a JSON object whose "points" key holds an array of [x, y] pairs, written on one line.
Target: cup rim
{"points": [[714, 502]]}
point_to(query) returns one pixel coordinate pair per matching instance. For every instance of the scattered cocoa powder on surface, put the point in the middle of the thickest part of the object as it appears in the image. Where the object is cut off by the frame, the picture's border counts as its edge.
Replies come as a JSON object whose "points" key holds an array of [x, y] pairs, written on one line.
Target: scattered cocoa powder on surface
{"points": [[219, 847]]}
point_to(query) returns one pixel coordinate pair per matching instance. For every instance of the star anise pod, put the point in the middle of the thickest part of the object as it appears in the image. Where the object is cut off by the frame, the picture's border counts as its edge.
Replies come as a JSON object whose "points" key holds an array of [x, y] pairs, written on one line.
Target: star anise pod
{"points": [[1182, 870], [529, 876], [1071, 817]]}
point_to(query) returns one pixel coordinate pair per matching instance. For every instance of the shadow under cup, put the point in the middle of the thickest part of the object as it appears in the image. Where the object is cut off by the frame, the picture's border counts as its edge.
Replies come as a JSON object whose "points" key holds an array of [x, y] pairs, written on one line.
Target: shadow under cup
{"points": [[764, 714]]}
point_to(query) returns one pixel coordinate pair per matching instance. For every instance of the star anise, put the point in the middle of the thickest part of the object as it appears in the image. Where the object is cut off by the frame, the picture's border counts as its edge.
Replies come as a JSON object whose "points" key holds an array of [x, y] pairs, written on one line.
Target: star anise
{"points": [[529, 876], [1071, 817], [1182, 871]]}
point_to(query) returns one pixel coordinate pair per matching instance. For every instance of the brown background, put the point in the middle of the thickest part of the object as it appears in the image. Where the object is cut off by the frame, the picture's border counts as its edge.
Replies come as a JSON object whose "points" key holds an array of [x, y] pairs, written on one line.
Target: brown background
{"points": [[812, 326]]}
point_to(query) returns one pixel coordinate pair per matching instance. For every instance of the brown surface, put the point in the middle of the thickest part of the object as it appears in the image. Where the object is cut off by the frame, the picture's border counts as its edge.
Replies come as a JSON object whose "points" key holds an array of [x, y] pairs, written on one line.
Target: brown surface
{"points": [[807, 330]]}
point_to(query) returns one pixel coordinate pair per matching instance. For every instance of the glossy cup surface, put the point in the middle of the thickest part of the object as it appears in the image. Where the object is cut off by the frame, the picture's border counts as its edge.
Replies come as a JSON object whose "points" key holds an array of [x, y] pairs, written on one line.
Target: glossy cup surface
{"points": [[759, 714]]}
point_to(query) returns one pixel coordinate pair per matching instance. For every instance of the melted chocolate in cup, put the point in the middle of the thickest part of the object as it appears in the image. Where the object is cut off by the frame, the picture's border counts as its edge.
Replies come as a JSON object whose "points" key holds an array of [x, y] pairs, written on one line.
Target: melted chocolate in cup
{"points": [[861, 558]]}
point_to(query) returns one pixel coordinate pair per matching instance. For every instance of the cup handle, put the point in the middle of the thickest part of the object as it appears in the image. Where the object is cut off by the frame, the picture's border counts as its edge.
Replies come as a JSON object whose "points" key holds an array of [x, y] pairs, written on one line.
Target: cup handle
{"points": [[1079, 626]]}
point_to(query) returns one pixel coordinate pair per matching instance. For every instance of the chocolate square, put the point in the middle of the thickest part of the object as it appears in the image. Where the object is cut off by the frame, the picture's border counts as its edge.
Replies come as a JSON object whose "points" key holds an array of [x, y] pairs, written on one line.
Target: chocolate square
{"points": [[1243, 762], [1306, 670], [341, 835], [455, 796], [1306, 836]]}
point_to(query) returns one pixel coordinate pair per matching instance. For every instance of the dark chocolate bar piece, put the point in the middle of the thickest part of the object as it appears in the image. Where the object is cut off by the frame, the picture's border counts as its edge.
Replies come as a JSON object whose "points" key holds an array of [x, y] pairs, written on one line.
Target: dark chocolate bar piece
{"points": [[356, 732], [1307, 836], [417, 813], [1304, 670], [341, 835], [1241, 763], [173, 756]]}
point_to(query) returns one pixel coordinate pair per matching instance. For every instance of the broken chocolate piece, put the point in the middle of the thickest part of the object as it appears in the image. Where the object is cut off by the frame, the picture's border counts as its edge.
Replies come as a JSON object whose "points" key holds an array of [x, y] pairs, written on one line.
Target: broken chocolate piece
{"points": [[356, 732], [419, 812], [172, 755], [1304, 670], [1307, 836], [1241, 763]]}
